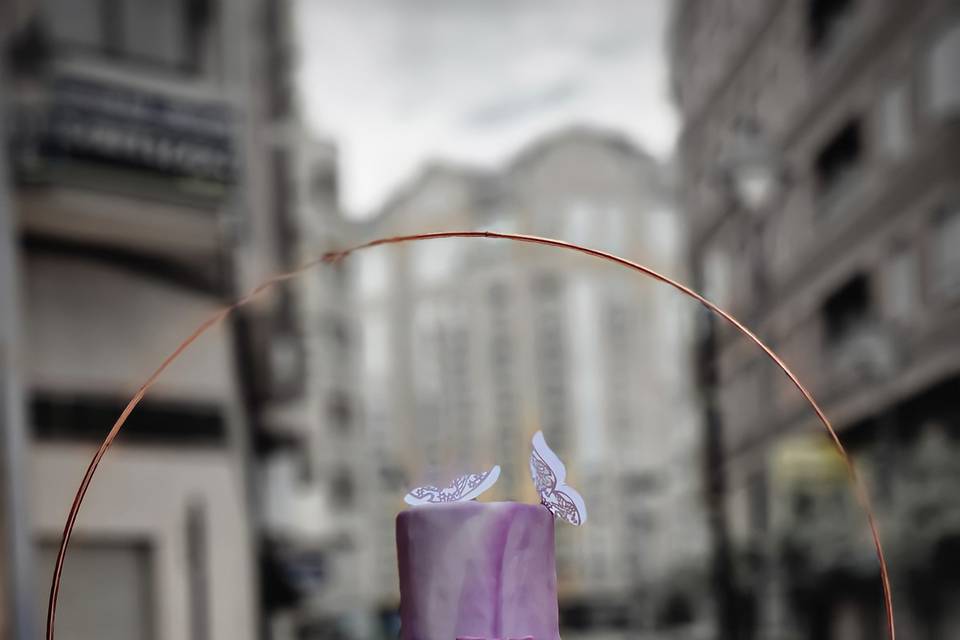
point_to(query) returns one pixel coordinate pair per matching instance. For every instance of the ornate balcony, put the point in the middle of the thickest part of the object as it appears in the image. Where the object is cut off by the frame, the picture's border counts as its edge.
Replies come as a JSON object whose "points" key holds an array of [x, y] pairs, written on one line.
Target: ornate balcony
{"points": [[135, 162]]}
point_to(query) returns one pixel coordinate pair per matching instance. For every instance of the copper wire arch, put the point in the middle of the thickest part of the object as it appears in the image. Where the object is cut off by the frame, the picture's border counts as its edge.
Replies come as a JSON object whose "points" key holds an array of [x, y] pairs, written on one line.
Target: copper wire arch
{"points": [[335, 256]]}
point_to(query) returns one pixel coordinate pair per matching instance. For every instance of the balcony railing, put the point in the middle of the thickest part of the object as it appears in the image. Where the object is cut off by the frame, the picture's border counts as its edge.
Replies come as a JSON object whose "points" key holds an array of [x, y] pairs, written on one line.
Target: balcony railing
{"points": [[832, 538], [86, 130]]}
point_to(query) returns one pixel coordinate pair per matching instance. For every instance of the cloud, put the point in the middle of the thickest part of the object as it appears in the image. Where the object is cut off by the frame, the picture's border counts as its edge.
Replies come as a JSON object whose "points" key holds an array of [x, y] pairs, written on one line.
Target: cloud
{"points": [[518, 105], [397, 84]]}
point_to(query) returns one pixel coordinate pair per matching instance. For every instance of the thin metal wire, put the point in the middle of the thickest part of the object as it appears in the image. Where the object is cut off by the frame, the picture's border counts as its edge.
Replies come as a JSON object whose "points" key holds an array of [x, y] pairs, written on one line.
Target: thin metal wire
{"points": [[860, 490]]}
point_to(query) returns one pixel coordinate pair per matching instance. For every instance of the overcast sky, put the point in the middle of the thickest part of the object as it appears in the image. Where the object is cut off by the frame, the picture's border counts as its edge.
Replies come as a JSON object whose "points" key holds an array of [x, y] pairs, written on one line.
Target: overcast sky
{"points": [[399, 82]]}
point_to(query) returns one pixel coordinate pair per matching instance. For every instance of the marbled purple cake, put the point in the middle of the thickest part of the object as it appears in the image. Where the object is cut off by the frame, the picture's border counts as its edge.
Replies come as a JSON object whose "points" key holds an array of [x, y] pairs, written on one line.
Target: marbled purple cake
{"points": [[477, 570]]}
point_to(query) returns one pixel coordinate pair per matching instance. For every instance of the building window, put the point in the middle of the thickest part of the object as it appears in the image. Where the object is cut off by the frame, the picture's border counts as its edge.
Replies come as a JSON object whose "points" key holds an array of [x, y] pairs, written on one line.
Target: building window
{"points": [[77, 24], [340, 411], [580, 221], [457, 399], [376, 347], [324, 185], [304, 467], [280, 92], [893, 121], [717, 272], [615, 227], [847, 310], [85, 418], [739, 402], [342, 489], [341, 275], [941, 75], [759, 501], [167, 34], [502, 382], [121, 606], [151, 30], [900, 285], [373, 273], [802, 504], [619, 346], [945, 254], [550, 353], [339, 334], [825, 20], [392, 478], [839, 160], [283, 212]]}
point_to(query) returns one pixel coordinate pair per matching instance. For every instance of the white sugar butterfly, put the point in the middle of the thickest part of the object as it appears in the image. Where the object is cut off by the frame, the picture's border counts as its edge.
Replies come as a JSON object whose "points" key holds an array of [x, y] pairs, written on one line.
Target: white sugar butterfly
{"points": [[549, 476], [466, 487]]}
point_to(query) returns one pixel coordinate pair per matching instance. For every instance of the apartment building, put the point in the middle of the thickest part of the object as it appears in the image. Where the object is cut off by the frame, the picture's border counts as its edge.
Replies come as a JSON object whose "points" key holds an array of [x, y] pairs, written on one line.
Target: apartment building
{"points": [[314, 471], [820, 178], [471, 346], [139, 204]]}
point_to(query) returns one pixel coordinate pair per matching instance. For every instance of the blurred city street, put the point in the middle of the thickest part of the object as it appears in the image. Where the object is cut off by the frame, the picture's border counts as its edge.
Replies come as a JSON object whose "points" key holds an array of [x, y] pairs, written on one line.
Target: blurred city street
{"points": [[797, 162]]}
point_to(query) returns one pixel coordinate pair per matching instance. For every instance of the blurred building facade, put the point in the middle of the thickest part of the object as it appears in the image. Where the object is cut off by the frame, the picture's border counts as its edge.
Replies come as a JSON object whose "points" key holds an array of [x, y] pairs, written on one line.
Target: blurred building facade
{"points": [[845, 257], [313, 464], [470, 347], [142, 202]]}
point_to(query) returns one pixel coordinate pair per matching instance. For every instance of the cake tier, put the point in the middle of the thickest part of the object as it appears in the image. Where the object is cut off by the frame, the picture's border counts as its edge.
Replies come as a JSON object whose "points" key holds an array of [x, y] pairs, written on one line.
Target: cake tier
{"points": [[477, 570]]}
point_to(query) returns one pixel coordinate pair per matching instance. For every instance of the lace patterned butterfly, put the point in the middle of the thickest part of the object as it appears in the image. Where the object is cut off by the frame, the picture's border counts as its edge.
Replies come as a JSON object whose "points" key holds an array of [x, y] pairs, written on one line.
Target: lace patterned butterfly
{"points": [[549, 476], [466, 487]]}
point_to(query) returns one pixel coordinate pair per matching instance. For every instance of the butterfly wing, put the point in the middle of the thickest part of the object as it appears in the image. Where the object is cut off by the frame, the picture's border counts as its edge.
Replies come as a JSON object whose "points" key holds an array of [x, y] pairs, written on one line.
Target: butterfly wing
{"points": [[544, 479], [549, 476], [568, 505], [545, 455], [465, 487]]}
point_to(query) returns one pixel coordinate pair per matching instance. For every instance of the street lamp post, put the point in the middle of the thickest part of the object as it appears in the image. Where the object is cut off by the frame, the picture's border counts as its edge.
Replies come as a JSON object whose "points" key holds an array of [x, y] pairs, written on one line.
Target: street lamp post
{"points": [[14, 530], [753, 176], [722, 568], [753, 169]]}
